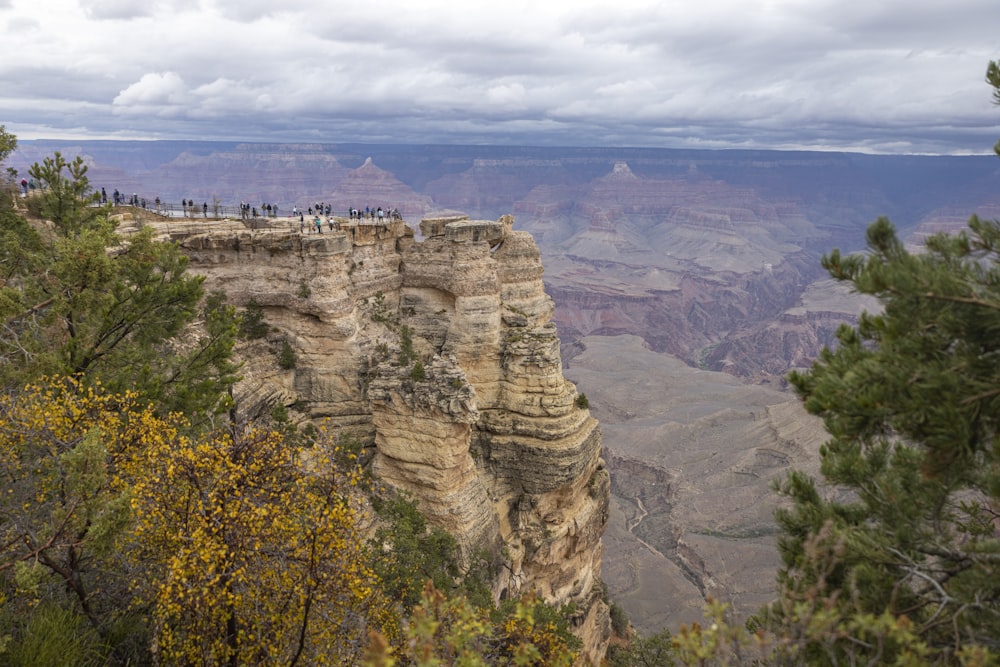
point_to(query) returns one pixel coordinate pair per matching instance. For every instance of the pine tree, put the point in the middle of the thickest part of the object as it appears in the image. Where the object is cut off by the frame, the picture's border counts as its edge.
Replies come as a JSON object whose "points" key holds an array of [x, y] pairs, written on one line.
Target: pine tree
{"points": [[77, 298], [899, 558], [8, 142], [911, 399]]}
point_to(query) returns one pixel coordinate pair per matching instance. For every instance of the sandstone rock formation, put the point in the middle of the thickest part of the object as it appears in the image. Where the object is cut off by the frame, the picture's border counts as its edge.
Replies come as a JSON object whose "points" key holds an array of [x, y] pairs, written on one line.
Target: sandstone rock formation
{"points": [[443, 353], [709, 257]]}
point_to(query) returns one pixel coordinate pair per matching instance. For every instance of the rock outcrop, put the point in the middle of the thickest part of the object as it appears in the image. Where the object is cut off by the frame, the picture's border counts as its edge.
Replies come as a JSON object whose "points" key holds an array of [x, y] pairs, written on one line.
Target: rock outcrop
{"points": [[442, 353]]}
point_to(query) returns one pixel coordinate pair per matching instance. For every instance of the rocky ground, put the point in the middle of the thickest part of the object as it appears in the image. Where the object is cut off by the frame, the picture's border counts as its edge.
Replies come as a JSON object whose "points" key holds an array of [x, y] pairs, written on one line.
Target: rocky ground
{"points": [[692, 455]]}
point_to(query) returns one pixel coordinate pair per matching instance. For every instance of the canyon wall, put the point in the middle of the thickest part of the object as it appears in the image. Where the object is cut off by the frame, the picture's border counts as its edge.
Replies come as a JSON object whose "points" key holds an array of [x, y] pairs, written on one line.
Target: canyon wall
{"points": [[442, 353], [651, 255]]}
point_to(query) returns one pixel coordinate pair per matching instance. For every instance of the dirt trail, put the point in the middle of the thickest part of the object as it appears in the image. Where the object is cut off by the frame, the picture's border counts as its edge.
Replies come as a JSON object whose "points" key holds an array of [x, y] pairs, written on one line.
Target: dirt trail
{"points": [[632, 525]]}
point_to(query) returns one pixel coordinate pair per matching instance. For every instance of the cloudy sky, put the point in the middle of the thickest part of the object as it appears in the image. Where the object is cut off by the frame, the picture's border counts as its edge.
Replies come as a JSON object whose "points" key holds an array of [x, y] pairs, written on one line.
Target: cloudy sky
{"points": [[892, 76]]}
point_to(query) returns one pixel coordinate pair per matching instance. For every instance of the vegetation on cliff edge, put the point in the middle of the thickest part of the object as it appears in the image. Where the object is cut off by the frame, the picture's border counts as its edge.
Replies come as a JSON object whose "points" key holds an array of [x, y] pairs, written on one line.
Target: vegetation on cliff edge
{"points": [[141, 523]]}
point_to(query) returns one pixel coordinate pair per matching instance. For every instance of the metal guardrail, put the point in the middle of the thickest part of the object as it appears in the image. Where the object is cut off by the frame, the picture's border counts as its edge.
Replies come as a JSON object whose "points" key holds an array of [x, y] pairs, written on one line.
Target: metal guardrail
{"points": [[202, 211], [301, 220], [205, 211], [252, 215]]}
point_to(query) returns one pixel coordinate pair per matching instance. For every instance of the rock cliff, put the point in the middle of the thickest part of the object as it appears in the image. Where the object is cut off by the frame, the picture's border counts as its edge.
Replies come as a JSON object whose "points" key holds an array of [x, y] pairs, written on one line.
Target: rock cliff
{"points": [[442, 353]]}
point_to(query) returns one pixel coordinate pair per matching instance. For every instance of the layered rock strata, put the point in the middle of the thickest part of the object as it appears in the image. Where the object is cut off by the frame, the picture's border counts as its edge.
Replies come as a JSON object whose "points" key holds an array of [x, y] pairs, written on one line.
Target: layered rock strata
{"points": [[443, 354]]}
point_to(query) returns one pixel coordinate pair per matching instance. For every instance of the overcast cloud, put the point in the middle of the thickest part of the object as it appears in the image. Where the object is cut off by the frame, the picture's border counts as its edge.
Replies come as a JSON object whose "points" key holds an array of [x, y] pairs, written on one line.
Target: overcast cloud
{"points": [[870, 75]]}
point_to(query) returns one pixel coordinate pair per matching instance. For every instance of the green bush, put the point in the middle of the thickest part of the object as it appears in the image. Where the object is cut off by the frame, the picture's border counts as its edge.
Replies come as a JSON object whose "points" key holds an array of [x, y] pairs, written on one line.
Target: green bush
{"points": [[619, 621], [380, 311], [406, 351], [654, 651], [252, 324], [408, 552], [279, 414], [56, 637], [286, 358]]}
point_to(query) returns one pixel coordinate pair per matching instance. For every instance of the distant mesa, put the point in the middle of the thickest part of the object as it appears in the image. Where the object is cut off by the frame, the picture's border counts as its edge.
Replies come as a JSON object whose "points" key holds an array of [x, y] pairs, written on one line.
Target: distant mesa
{"points": [[369, 185], [622, 170]]}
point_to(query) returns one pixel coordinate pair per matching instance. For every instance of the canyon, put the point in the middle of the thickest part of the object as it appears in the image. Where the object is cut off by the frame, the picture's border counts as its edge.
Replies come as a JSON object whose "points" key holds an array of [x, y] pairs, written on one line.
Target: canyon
{"points": [[681, 287], [441, 356]]}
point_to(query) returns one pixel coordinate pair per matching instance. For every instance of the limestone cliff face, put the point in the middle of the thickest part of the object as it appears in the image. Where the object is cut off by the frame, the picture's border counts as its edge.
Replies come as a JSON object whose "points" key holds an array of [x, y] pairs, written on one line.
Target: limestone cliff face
{"points": [[442, 353]]}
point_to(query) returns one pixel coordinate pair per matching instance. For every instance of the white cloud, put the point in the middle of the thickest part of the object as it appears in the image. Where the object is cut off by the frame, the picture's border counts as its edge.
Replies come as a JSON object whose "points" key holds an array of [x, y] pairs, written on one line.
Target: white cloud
{"points": [[508, 95], [23, 24], [247, 11], [102, 10], [158, 94], [743, 72], [116, 9]]}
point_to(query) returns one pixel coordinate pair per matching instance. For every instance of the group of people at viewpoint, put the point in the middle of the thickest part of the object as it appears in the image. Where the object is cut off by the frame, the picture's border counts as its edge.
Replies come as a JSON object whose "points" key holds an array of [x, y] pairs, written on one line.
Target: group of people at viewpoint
{"points": [[266, 210], [121, 199], [373, 215]]}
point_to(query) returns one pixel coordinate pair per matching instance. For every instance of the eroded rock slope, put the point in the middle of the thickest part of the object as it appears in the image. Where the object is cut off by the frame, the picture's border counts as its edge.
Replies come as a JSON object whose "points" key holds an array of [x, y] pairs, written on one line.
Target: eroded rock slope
{"points": [[442, 353]]}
